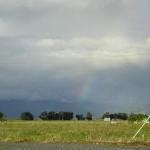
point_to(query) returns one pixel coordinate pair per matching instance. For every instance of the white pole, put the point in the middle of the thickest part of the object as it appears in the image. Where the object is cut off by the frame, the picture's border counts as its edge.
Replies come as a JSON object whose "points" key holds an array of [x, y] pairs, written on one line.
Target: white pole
{"points": [[145, 122]]}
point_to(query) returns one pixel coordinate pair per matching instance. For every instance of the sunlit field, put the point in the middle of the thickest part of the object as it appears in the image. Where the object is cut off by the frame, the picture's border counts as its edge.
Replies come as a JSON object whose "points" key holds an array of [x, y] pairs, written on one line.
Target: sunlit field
{"points": [[72, 132]]}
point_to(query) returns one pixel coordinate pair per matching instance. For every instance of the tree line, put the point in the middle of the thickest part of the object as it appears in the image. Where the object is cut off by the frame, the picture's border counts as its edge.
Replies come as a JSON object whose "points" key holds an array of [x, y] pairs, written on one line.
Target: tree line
{"points": [[120, 116], [52, 116], [125, 116], [56, 115], [70, 116]]}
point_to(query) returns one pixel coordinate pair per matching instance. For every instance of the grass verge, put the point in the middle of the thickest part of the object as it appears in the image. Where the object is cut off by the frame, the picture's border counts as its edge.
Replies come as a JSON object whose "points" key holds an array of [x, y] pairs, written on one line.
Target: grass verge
{"points": [[97, 132]]}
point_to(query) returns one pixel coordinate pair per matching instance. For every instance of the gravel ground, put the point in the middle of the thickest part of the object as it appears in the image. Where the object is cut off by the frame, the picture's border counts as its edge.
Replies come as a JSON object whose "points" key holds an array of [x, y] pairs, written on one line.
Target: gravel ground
{"points": [[35, 146]]}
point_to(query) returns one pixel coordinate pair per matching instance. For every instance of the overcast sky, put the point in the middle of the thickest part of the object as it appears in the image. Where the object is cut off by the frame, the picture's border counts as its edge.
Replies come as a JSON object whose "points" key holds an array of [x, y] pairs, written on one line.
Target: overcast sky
{"points": [[75, 50]]}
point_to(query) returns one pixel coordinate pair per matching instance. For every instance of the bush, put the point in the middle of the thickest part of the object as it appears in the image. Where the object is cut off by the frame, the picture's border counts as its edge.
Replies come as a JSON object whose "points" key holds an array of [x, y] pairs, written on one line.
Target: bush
{"points": [[89, 116], [44, 115], [26, 116], [137, 117], [1, 115], [106, 115], [80, 117], [56, 115], [121, 116]]}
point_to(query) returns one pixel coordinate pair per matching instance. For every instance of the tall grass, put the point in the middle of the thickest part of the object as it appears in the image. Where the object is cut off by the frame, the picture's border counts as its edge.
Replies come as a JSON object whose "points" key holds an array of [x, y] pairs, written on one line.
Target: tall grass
{"points": [[71, 131]]}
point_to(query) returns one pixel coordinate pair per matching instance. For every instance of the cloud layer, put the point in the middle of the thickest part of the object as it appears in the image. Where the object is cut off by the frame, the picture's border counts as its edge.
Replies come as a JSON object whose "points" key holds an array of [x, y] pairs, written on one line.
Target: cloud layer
{"points": [[51, 49]]}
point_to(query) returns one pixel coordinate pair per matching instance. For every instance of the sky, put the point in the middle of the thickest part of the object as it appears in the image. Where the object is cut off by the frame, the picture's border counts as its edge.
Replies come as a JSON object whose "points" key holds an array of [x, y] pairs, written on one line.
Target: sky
{"points": [[74, 51]]}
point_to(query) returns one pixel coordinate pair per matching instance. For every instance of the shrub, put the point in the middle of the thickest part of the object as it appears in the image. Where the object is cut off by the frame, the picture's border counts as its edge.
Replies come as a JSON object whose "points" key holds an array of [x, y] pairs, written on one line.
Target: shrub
{"points": [[89, 116], [106, 115], [80, 117], [65, 115], [56, 115], [44, 115], [137, 117], [26, 116], [1, 115], [121, 116]]}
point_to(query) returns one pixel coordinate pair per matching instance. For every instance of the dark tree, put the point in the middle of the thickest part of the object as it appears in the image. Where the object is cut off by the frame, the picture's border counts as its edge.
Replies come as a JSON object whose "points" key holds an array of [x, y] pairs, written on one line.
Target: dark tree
{"points": [[51, 115], [65, 115], [26, 116], [80, 117], [89, 116], [106, 115], [137, 117], [44, 116], [112, 116], [121, 116], [1, 115], [56, 115]]}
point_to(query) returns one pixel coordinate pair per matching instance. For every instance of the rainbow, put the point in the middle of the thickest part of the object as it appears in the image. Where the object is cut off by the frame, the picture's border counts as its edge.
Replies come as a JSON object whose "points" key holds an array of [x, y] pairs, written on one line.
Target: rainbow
{"points": [[85, 89]]}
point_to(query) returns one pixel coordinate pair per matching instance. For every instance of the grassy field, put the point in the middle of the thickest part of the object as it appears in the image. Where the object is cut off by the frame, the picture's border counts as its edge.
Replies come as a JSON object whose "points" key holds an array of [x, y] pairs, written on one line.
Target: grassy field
{"points": [[72, 132]]}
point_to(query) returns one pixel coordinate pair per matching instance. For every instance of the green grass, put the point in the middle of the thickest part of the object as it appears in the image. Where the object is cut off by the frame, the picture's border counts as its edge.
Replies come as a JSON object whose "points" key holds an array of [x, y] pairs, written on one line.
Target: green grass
{"points": [[71, 131]]}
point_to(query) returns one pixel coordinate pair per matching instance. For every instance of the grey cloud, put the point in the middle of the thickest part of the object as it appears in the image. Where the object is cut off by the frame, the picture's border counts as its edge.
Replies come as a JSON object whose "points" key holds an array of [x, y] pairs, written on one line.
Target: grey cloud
{"points": [[50, 48], [121, 86], [64, 19]]}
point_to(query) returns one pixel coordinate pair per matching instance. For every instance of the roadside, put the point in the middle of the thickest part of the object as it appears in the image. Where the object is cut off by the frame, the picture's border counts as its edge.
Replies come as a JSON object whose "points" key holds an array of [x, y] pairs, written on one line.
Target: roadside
{"points": [[35, 146]]}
